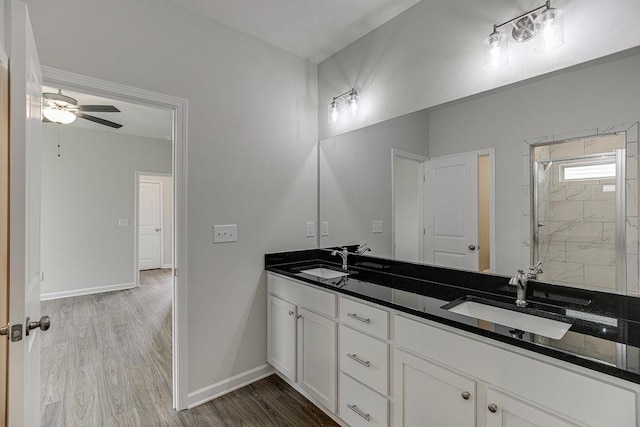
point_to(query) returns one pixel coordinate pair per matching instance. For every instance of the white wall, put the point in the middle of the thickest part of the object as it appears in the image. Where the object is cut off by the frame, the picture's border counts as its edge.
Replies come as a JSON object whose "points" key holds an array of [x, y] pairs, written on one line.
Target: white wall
{"points": [[599, 95], [167, 216], [84, 193], [251, 155], [432, 54]]}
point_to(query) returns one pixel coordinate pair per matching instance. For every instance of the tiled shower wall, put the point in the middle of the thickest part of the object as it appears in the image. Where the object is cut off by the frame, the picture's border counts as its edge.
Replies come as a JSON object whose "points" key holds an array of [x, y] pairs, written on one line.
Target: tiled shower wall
{"points": [[563, 244], [577, 219]]}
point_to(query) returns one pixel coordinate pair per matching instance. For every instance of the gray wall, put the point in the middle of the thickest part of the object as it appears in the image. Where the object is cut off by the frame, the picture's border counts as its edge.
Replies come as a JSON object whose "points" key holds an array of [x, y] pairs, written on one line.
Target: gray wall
{"points": [[251, 154], [432, 53], [599, 95], [84, 193]]}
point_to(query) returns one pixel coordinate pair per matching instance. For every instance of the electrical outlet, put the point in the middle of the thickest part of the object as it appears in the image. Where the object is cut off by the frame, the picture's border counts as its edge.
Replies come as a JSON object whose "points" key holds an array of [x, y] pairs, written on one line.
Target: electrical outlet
{"points": [[376, 226], [225, 233], [311, 229], [324, 228]]}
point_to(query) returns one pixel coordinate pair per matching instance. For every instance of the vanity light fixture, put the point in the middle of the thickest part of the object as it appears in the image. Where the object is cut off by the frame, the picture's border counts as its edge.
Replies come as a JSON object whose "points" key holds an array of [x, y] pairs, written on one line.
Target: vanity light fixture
{"points": [[336, 109], [547, 25]]}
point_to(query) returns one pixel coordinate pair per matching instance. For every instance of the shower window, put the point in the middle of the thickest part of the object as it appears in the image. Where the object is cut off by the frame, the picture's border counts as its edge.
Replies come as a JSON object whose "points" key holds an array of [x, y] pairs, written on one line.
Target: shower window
{"points": [[588, 171]]}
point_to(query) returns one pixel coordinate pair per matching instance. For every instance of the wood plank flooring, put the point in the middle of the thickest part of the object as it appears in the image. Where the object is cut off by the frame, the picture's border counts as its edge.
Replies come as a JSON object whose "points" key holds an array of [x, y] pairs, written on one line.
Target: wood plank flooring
{"points": [[106, 361]]}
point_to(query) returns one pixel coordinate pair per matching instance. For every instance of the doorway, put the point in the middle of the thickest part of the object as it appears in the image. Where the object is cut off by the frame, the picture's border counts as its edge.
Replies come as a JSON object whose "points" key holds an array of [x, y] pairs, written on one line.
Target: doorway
{"points": [[176, 363]]}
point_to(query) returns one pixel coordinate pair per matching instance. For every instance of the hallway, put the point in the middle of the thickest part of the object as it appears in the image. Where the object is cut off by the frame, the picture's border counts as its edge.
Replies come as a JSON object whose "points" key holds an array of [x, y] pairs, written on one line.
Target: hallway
{"points": [[107, 361]]}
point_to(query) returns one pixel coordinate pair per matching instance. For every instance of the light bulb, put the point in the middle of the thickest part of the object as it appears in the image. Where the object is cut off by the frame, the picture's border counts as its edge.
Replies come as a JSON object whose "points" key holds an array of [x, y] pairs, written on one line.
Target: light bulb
{"points": [[495, 50], [57, 115], [334, 112], [549, 27], [353, 104]]}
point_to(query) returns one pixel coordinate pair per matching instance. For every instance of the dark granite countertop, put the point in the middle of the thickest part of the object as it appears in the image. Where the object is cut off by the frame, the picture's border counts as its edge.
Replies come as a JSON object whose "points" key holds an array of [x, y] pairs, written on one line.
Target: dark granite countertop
{"points": [[605, 328]]}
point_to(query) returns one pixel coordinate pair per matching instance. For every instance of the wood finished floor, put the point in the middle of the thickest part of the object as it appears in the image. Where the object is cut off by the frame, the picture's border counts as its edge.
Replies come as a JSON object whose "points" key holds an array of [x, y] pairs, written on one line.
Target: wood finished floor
{"points": [[106, 361]]}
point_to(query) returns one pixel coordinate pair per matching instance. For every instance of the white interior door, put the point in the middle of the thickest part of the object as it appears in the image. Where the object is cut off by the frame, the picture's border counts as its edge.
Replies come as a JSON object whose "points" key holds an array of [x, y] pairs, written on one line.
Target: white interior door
{"points": [[25, 82], [451, 211], [150, 225]]}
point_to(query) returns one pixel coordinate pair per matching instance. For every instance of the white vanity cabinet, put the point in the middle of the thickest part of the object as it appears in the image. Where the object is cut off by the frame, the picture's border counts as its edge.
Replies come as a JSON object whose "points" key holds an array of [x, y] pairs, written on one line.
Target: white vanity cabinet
{"points": [[428, 395], [503, 411], [302, 337]]}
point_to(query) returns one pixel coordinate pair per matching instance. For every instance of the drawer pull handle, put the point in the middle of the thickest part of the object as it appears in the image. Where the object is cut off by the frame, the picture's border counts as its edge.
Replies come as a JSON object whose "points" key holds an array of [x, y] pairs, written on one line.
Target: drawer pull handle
{"points": [[360, 361], [465, 395], [492, 407], [357, 410], [362, 319]]}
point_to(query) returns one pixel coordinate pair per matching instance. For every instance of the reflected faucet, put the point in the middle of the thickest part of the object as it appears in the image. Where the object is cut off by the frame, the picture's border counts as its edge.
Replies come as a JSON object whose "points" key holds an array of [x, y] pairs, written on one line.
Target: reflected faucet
{"points": [[521, 280], [344, 253], [363, 248]]}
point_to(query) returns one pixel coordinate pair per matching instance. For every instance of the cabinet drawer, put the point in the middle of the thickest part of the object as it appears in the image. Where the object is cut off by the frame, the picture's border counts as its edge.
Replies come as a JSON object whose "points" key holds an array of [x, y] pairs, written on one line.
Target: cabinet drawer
{"points": [[300, 294], [365, 359], [361, 407], [365, 318]]}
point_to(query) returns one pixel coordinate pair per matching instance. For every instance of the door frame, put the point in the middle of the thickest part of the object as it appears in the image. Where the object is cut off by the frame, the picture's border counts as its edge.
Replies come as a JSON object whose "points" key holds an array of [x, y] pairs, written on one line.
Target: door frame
{"points": [[418, 158], [98, 87], [4, 231], [491, 153], [136, 209]]}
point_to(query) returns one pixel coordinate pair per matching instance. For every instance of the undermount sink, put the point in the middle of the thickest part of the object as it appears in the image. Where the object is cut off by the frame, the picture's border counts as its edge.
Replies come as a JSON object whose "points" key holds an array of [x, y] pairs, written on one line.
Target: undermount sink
{"points": [[324, 273], [526, 322]]}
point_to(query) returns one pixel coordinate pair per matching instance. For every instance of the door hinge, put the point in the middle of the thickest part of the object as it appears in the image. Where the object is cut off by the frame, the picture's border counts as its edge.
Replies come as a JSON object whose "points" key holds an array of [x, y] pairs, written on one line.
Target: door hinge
{"points": [[13, 332], [424, 231], [175, 272], [424, 178]]}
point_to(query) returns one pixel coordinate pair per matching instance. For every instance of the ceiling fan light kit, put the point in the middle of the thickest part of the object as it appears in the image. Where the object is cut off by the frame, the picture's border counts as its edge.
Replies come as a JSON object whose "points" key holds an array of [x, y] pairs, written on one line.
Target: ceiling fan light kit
{"points": [[62, 109]]}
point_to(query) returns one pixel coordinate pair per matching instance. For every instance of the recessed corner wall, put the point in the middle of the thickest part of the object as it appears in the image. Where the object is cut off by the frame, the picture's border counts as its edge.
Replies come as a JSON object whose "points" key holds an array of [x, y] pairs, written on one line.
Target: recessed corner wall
{"points": [[85, 192]]}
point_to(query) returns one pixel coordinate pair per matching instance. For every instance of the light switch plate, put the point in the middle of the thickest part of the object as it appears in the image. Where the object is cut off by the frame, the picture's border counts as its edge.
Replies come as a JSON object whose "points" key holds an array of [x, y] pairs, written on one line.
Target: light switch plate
{"points": [[376, 226], [311, 229], [225, 233], [324, 228], [123, 222]]}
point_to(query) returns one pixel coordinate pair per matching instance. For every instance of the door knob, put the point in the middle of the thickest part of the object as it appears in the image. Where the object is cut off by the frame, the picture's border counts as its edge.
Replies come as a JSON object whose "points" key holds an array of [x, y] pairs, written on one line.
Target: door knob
{"points": [[492, 407], [157, 229], [44, 324], [472, 247]]}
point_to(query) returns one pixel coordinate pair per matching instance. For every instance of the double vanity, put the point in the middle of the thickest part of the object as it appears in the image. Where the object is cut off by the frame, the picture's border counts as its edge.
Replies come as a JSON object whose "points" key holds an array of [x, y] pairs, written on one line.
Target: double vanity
{"points": [[379, 342]]}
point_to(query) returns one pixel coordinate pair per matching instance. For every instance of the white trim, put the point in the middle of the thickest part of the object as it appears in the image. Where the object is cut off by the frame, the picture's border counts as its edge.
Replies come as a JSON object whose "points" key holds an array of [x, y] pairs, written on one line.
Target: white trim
{"points": [[87, 291], [418, 158], [136, 208], [228, 385], [89, 85]]}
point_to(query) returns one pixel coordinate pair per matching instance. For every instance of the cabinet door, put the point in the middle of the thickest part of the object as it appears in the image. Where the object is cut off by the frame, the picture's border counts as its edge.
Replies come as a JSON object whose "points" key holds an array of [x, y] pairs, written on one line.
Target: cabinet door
{"points": [[429, 395], [503, 411], [317, 369], [281, 336]]}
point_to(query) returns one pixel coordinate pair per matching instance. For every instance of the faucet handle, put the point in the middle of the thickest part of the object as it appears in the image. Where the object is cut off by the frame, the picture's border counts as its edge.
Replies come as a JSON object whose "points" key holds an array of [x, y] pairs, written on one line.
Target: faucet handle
{"points": [[520, 271]]}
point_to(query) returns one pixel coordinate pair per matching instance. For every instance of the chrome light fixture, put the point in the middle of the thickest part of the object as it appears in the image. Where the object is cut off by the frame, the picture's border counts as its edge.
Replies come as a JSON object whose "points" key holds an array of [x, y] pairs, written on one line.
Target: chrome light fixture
{"points": [[336, 110], [547, 25]]}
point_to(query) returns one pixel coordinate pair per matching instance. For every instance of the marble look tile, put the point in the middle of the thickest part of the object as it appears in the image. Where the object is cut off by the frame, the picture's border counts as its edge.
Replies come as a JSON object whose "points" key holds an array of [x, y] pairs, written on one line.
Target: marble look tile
{"points": [[600, 210], [603, 144], [572, 339], [591, 253], [578, 232], [526, 257], [579, 192], [600, 349], [632, 149], [526, 200], [584, 133], [557, 251], [571, 148], [526, 148], [632, 197], [538, 140], [566, 272], [609, 233], [558, 193], [620, 127], [566, 211], [600, 194], [631, 230], [526, 230], [632, 167], [600, 276], [632, 274], [632, 133]]}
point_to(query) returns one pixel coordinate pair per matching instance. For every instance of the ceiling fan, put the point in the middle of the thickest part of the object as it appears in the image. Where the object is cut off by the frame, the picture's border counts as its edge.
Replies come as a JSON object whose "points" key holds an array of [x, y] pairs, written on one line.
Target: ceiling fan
{"points": [[59, 108]]}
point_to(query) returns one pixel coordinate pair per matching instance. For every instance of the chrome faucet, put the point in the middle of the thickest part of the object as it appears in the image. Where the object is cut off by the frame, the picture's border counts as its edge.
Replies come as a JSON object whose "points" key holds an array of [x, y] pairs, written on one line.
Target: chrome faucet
{"points": [[521, 280], [344, 253], [363, 248]]}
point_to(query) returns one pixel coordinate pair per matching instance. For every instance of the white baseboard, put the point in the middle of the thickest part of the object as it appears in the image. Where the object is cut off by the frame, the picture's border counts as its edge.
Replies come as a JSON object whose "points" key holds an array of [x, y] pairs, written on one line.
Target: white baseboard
{"points": [[167, 266], [220, 388], [86, 291]]}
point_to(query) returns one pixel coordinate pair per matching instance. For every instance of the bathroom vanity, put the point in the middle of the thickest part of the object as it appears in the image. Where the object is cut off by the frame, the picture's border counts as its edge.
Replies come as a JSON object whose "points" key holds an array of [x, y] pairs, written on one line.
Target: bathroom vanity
{"points": [[390, 343]]}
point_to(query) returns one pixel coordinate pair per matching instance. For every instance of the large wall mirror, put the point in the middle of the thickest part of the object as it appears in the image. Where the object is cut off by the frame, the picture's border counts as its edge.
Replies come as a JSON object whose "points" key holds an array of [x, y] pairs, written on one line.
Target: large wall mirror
{"points": [[466, 186]]}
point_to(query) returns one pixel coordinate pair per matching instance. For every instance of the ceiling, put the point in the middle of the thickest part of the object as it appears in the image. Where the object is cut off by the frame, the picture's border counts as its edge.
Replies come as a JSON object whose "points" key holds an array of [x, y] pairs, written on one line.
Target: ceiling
{"points": [[138, 120], [312, 29]]}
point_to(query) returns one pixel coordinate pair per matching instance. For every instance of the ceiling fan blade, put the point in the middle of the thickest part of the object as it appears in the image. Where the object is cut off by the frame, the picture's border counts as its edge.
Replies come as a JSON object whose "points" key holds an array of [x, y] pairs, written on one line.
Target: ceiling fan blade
{"points": [[45, 120], [98, 108], [99, 120]]}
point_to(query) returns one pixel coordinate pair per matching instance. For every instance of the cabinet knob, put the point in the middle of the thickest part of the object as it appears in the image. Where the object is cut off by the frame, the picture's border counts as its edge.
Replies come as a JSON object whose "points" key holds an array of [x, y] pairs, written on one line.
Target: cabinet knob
{"points": [[492, 407], [290, 312], [465, 395]]}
